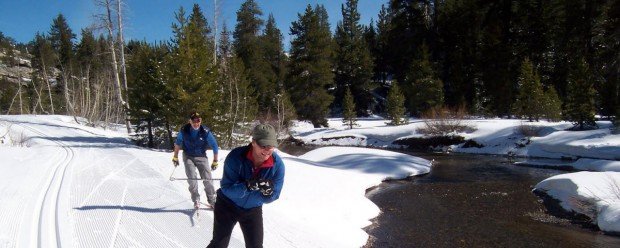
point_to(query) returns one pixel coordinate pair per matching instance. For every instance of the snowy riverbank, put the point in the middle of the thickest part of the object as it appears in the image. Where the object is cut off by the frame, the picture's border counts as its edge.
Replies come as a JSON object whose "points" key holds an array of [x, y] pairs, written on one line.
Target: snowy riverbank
{"points": [[593, 150]]}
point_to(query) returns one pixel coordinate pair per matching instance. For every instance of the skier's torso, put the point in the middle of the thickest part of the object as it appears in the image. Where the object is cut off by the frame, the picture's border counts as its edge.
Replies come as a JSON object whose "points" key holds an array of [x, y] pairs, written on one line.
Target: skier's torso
{"points": [[238, 170]]}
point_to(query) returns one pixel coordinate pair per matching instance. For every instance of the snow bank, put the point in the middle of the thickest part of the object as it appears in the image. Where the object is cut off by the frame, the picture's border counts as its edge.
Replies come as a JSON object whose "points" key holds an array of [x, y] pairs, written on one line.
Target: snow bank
{"points": [[325, 191], [497, 136], [594, 194]]}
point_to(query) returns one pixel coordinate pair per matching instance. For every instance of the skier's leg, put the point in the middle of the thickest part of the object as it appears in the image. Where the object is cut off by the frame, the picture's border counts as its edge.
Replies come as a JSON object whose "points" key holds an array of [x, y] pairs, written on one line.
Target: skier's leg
{"points": [[190, 171], [202, 164], [251, 223], [224, 220]]}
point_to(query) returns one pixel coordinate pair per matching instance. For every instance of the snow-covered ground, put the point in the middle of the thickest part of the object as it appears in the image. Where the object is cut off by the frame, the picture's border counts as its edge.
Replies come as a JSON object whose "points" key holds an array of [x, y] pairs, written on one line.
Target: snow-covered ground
{"points": [[597, 151], [499, 136], [65, 184]]}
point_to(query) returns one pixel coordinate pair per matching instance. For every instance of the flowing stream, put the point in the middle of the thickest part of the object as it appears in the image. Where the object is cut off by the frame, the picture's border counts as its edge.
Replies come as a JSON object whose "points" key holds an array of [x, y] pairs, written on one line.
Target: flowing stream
{"points": [[470, 201]]}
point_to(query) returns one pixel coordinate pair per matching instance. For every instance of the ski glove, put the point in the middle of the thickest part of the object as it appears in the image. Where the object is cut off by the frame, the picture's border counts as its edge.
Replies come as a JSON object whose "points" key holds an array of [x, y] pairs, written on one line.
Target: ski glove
{"points": [[214, 165], [253, 184], [175, 161], [266, 187]]}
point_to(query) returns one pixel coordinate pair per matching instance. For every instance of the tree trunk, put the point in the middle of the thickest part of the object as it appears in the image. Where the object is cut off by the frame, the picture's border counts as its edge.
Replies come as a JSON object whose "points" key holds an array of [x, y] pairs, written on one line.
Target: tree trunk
{"points": [[47, 81], [150, 132], [121, 42], [117, 80], [169, 135], [65, 83], [38, 102]]}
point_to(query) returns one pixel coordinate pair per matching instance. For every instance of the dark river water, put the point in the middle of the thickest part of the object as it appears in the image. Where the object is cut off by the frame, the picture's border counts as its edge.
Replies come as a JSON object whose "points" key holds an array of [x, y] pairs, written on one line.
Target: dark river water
{"points": [[470, 201]]}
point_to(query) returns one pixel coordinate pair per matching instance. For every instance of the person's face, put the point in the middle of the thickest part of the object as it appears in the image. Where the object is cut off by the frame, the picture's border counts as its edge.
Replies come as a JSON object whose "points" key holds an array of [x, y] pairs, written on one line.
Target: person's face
{"points": [[195, 122], [261, 153]]}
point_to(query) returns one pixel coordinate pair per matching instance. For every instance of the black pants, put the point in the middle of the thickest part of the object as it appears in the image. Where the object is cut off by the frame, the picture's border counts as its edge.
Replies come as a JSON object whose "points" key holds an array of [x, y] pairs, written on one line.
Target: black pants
{"points": [[226, 216]]}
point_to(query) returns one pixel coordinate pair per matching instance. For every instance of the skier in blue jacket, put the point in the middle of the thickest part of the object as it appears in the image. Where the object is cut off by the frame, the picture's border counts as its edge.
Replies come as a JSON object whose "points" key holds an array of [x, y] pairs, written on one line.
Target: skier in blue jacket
{"points": [[253, 175], [195, 138]]}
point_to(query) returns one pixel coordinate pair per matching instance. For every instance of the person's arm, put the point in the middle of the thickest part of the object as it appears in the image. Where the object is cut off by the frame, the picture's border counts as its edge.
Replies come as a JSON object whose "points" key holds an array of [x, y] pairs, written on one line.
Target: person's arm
{"points": [[213, 143], [278, 182], [177, 145], [232, 184]]}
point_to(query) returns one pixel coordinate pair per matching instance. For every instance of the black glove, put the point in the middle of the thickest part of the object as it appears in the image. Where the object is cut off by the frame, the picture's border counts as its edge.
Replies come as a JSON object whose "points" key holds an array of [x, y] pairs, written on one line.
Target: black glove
{"points": [[253, 184], [175, 161], [266, 187]]}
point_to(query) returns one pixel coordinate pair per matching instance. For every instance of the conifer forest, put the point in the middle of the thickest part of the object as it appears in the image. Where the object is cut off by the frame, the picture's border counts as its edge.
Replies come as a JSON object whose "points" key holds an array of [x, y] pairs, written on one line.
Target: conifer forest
{"points": [[537, 60]]}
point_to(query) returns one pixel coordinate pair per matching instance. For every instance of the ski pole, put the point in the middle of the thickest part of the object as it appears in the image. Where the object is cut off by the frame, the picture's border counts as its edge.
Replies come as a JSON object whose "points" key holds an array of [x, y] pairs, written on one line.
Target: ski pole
{"points": [[196, 179]]}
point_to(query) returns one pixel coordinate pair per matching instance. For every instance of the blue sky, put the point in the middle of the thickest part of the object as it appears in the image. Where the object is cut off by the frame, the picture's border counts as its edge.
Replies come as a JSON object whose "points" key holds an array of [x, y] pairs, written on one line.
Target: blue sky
{"points": [[151, 20]]}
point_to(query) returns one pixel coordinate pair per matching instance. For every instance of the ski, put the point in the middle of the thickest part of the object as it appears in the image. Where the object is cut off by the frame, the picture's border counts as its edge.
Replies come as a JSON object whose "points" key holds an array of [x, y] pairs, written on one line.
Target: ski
{"points": [[196, 213], [196, 217]]}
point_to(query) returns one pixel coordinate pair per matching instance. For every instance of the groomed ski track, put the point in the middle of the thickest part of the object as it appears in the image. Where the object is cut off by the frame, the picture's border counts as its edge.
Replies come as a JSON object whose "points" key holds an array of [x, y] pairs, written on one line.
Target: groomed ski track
{"points": [[96, 192]]}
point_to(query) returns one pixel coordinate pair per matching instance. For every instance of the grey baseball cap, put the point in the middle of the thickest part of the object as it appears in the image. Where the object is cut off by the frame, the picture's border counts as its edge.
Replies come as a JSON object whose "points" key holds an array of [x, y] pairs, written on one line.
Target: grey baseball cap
{"points": [[265, 135]]}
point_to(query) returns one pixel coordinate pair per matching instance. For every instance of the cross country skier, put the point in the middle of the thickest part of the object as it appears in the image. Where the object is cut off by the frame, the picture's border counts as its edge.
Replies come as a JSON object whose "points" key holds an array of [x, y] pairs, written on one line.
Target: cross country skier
{"points": [[253, 175], [195, 139]]}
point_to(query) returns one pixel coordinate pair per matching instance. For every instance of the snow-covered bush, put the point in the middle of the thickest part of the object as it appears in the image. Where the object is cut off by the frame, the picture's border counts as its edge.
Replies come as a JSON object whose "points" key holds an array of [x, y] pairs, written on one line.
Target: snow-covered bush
{"points": [[444, 121], [529, 130]]}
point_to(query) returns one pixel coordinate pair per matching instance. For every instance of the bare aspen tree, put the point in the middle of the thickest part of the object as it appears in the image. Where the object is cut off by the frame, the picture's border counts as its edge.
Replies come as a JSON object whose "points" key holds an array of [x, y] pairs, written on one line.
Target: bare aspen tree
{"points": [[87, 92], [280, 113], [82, 96], [107, 20], [19, 83], [19, 88], [216, 12], [47, 82], [18, 94], [65, 89], [95, 113], [38, 102], [121, 45]]}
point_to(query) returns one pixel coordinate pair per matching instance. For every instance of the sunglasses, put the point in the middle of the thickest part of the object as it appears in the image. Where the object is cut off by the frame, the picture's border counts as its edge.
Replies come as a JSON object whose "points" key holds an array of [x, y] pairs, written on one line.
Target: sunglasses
{"points": [[196, 120]]}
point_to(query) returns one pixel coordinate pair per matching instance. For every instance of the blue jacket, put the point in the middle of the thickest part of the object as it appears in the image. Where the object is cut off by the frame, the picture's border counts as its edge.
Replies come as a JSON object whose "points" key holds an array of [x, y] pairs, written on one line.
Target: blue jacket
{"points": [[196, 142], [238, 170]]}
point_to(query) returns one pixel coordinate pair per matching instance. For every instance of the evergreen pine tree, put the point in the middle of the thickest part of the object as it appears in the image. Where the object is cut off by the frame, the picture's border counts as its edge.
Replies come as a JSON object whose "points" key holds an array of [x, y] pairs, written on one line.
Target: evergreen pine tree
{"points": [[147, 92], [424, 88], [530, 100], [552, 105], [580, 108], [370, 36], [349, 116], [410, 23], [86, 54], [310, 71], [190, 69], [381, 52], [498, 66], [62, 37], [62, 40], [353, 60], [607, 44], [396, 105], [248, 45], [458, 25], [274, 52]]}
